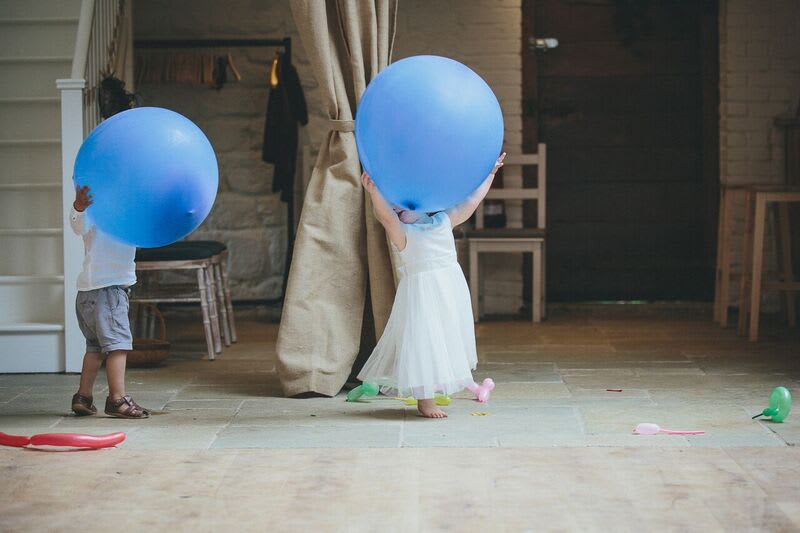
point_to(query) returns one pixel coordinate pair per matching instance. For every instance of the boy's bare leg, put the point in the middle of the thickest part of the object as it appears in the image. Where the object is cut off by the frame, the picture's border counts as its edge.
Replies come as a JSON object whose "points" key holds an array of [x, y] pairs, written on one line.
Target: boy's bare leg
{"points": [[91, 365], [115, 371], [118, 403]]}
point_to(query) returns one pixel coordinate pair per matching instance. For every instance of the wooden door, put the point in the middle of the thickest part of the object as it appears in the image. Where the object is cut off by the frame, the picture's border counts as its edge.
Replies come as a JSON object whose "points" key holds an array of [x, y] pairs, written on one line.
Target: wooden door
{"points": [[627, 104]]}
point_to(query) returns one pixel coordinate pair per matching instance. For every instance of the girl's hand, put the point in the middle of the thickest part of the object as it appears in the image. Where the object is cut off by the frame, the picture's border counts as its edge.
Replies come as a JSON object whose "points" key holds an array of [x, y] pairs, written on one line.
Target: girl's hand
{"points": [[498, 164], [384, 213], [379, 204], [461, 212], [82, 198], [368, 184]]}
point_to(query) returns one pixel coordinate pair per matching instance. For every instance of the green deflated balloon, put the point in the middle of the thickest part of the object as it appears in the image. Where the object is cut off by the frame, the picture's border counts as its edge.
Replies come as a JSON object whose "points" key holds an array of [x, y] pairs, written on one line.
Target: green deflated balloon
{"points": [[440, 399], [365, 389], [780, 403]]}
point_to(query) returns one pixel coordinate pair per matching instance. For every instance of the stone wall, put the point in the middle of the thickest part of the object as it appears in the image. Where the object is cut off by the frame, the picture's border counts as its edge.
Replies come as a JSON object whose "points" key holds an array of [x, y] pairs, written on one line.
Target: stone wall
{"points": [[246, 215], [484, 34], [759, 80]]}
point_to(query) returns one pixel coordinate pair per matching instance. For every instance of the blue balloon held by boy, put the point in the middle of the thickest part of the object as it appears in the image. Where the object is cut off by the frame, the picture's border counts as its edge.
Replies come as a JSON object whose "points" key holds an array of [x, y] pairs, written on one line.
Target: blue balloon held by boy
{"points": [[153, 175]]}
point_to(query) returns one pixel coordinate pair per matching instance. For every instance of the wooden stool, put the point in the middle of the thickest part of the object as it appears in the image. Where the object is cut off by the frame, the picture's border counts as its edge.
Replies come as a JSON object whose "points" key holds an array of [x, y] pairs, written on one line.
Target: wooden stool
{"points": [[219, 263], [756, 202], [186, 256]]}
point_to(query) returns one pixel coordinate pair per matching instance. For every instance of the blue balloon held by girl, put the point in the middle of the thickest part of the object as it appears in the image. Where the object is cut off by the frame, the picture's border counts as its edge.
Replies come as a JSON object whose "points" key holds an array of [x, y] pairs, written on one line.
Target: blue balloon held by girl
{"points": [[153, 174], [428, 131]]}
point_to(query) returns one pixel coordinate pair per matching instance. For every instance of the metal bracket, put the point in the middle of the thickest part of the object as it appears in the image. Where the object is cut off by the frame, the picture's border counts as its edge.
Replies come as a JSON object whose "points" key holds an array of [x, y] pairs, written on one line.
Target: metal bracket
{"points": [[543, 44]]}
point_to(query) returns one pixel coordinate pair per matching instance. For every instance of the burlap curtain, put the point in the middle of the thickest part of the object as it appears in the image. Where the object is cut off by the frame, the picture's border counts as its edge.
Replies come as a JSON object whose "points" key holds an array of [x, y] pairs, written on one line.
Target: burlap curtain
{"points": [[340, 247]]}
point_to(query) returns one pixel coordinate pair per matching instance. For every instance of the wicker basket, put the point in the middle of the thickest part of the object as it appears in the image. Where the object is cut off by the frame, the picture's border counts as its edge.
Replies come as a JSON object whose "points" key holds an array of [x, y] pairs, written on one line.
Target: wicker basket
{"points": [[149, 352]]}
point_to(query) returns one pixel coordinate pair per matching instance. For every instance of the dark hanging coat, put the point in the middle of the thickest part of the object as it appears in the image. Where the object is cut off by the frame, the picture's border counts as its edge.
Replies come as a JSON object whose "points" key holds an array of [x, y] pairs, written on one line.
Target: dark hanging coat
{"points": [[286, 108]]}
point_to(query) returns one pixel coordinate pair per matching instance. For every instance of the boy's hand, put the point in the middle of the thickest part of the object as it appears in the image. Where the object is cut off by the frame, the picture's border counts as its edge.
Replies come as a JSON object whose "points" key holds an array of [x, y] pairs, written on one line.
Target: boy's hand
{"points": [[82, 198]]}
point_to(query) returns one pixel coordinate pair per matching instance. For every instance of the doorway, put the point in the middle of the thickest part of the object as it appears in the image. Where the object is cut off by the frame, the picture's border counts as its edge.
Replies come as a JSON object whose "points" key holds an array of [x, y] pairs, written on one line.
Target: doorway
{"points": [[627, 104]]}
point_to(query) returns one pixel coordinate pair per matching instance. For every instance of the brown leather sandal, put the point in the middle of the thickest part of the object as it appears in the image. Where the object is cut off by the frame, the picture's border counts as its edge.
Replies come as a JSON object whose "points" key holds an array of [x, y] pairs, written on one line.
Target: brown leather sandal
{"points": [[83, 405], [125, 407]]}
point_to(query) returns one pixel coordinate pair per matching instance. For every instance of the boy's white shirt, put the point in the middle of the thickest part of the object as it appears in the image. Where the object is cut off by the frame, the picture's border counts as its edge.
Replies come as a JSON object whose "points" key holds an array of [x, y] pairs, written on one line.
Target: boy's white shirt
{"points": [[106, 261]]}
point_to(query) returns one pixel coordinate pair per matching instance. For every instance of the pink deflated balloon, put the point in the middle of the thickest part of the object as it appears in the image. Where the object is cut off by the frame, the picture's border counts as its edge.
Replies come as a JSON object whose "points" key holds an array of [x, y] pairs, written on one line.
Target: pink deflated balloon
{"points": [[483, 390], [648, 428]]}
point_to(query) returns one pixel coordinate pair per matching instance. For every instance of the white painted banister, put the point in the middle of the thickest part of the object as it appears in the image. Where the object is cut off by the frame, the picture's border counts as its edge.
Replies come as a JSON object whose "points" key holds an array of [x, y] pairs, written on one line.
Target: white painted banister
{"points": [[96, 44], [71, 139], [82, 39]]}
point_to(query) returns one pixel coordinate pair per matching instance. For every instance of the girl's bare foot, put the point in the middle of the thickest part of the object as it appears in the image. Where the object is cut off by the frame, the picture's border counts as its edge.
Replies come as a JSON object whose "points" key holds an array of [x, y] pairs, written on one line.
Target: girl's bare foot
{"points": [[428, 409]]}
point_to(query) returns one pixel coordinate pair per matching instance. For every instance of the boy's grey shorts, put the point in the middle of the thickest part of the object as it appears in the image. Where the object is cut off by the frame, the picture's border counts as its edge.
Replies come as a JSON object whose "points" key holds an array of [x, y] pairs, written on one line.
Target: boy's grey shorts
{"points": [[103, 319]]}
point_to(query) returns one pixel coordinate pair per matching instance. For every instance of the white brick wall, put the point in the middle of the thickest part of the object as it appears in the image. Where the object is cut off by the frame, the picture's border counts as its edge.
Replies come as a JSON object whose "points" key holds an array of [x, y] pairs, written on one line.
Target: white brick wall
{"points": [[483, 34], [759, 79], [486, 36]]}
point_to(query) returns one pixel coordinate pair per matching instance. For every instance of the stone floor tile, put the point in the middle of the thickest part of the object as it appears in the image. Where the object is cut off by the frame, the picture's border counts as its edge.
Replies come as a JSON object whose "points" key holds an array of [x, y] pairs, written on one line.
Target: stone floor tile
{"points": [[171, 438], [467, 430], [309, 436], [231, 405]]}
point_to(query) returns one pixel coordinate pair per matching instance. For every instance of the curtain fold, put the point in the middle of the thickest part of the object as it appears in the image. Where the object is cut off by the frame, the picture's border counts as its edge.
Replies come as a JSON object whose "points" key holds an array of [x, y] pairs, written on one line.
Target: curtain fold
{"points": [[340, 247]]}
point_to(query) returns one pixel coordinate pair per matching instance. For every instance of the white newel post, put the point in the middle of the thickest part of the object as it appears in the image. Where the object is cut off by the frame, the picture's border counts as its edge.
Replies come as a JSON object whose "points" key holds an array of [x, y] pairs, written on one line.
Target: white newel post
{"points": [[71, 139]]}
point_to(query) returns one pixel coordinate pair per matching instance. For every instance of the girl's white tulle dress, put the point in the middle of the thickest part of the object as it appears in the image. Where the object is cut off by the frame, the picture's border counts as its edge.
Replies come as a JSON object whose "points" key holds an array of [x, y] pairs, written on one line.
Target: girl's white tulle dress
{"points": [[428, 345]]}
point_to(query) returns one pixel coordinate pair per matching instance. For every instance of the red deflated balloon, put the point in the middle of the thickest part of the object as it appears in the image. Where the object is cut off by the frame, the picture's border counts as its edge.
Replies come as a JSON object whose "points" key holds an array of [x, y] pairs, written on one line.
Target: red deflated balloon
{"points": [[77, 440], [18, 441]]}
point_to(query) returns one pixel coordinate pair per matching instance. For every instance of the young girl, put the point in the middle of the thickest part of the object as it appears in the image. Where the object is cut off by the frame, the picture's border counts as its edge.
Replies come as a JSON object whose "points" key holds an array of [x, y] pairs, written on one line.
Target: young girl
{"points": [[428, 345]]}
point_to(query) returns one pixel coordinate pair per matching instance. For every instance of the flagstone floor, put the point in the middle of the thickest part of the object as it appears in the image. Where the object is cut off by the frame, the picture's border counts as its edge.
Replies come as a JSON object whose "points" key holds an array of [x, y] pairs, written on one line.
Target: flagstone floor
{"points": [[553, 449]]}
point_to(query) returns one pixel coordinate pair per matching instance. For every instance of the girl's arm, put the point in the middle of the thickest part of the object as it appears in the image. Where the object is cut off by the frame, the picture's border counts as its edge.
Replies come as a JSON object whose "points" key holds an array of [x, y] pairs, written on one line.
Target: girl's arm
{"points": [[384, 213], [461, 212]]}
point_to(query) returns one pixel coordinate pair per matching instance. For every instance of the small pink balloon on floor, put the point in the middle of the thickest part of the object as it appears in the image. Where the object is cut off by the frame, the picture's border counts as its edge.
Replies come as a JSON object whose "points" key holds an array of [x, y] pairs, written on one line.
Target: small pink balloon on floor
{"points": [[647, 428]]}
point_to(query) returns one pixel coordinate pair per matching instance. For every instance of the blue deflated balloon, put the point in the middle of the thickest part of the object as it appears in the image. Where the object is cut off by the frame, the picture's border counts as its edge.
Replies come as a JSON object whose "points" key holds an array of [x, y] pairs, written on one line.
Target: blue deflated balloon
{"points": [[153, 174], [428, 131]]}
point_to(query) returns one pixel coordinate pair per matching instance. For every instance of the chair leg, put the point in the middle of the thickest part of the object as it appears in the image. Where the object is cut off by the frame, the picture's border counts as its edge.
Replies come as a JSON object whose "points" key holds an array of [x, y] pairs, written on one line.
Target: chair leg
{"points": [[718, 268], [473, 279], [747, 257], [212, 308], [724, 259], [227, 292], [138, 319], [201, 283], [536, 283], [223, 308], [544, 279], [758, 265], [151, 324], [785, 258]]}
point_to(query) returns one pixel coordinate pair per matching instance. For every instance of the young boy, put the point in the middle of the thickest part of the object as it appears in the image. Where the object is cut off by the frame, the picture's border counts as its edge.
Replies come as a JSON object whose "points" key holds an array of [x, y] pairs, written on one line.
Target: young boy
{"points": [[102, 309]]}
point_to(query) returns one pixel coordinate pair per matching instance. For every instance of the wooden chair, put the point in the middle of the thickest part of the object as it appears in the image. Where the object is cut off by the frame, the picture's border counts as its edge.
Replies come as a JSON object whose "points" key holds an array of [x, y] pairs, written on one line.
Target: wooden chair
{"points": [[209, 260], [757, 200], [522, 240]]}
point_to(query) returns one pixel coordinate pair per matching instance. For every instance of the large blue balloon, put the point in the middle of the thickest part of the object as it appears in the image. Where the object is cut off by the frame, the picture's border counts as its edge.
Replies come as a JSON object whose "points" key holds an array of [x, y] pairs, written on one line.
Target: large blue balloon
{"points": [[153, 175], [428, 131]]}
